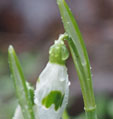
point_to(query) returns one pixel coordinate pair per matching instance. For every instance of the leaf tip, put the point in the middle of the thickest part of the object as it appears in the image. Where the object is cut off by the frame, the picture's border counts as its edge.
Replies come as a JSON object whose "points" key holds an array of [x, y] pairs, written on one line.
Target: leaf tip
{"points": [[10, 49]]}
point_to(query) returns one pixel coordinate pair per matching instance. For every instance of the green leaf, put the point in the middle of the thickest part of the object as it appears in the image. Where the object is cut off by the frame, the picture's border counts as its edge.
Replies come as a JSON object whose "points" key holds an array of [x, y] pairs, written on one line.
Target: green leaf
{"points": [[79, 54], [22, 92]]}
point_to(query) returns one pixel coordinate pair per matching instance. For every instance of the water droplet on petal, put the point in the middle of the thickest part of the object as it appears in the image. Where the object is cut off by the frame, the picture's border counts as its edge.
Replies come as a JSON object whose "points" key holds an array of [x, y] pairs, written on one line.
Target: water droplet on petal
{"points": [[69, 83], [65, 53], [62, 79]]}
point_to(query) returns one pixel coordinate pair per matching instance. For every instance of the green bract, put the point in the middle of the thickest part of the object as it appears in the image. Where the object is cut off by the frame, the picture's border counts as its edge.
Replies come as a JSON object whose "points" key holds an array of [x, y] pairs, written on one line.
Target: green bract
{"points": [[58, 52]]}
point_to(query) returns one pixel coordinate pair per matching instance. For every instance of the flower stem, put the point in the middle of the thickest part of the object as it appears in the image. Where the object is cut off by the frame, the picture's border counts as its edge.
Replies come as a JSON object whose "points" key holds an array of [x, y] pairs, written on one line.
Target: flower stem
{"points": [[91, 114]]}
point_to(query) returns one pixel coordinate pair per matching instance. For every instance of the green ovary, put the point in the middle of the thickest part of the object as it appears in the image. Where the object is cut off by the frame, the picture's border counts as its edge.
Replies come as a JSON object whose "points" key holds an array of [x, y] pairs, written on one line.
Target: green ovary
{"points": [[58, 52], [54, 97]]}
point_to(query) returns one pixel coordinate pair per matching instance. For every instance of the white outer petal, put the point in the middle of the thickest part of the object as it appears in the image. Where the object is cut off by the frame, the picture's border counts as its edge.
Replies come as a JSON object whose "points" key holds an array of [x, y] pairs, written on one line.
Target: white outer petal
{"points": [[18, 113], [53, 77]]}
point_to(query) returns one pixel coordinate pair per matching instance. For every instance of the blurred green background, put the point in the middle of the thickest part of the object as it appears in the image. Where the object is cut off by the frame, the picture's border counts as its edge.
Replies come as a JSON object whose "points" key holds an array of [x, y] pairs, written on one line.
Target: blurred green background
{"points": [[32, 26]]}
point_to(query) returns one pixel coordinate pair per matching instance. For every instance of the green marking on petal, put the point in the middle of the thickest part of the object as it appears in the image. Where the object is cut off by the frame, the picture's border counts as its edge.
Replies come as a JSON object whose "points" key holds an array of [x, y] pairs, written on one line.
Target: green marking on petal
{"points": [[54, 97], [58, 52]]}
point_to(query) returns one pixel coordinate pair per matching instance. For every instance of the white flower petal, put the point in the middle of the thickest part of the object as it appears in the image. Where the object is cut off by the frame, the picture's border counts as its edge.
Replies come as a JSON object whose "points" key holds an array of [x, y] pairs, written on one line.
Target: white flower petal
{"points": [[53, 78]]}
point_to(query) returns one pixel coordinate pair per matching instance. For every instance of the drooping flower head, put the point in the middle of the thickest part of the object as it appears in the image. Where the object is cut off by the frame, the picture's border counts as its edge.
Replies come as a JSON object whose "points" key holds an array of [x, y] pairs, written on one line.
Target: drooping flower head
{"points": [[52, 88]]}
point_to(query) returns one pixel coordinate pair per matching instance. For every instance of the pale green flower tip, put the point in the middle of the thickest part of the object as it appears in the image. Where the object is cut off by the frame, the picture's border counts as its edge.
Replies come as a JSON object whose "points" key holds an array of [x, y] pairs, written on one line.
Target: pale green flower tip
{"points": [[58, 52]]}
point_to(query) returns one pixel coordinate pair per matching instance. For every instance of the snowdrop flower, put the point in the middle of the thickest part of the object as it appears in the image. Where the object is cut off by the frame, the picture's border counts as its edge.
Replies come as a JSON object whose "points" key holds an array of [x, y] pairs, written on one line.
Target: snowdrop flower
{"points": [[52, 88]]}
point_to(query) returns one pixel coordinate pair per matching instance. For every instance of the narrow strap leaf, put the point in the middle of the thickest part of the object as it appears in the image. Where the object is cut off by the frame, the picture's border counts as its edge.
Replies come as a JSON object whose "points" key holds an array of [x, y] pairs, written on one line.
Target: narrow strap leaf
{"points": [[79, 54], [22, 92]]}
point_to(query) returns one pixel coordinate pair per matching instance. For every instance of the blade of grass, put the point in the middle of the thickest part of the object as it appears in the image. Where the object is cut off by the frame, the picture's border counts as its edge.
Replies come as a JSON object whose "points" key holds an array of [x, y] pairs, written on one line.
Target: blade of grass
{"points": [[80, 58], [22, 92]]}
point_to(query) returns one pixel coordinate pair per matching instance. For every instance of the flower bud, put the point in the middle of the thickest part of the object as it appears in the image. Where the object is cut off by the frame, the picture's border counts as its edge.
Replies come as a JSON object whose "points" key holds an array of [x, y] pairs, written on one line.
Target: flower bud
{"points": [[52, 88]]}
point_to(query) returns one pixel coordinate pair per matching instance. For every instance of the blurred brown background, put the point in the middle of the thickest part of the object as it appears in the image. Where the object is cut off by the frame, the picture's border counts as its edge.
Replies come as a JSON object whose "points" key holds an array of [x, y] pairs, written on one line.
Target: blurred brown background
{"points": [[31, 26]]}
